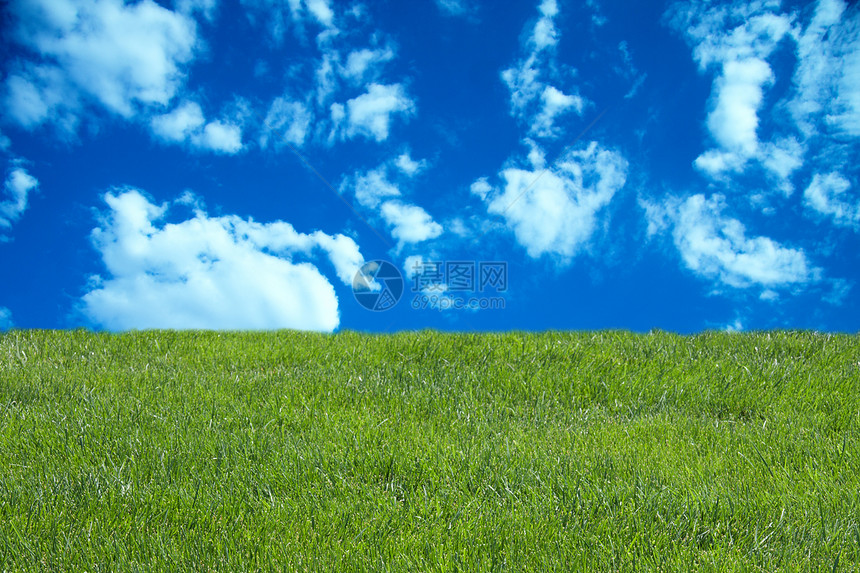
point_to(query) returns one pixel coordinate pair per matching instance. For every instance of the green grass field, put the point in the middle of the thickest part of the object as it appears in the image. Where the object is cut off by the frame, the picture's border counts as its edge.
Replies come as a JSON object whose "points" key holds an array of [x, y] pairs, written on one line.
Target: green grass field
{"points": [[429, 452]]}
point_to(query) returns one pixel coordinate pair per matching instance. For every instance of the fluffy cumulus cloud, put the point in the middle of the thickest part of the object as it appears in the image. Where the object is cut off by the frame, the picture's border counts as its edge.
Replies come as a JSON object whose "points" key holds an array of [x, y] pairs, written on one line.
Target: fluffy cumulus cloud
{"points": [[534, 101], [554, 210], [179, 125], [210, 272], [716, 246], [409, 223], [733, 121], [370, 114], [186, 124], [117, 56], [219, 136], [830, 195], [17, 187], [735, 40]]}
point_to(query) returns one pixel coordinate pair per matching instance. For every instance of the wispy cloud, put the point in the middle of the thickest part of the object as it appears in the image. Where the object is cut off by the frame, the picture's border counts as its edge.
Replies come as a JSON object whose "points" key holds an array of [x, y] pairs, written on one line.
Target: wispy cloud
{"points": [[830, 195], [349, 96], [454, 7], [408, 223], [17, 188], [282, 16], [534, 100], [827, 78], [738, 41], [287, 121]]}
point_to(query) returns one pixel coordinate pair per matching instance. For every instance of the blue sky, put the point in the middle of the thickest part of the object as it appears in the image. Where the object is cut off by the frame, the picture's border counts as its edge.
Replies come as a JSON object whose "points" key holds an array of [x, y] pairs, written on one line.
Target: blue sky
{"points": [[241, 164]]}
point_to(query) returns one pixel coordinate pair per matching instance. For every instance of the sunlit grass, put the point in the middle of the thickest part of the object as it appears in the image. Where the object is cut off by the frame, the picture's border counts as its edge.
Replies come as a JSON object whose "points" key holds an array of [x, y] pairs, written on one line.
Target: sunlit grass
{"points": [[429, 452]]}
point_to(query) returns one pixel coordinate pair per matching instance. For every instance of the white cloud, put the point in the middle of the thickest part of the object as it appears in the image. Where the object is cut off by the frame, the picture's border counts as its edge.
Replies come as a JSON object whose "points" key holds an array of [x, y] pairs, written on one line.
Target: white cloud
{"points": [[554, 103], [5, 143], [555, 212], [373, 190], [121, 57], [288, 121], [338, 115], [629, 71], [522, 81], [210, 272], [409, 223], [321, 11], [219, 136], [186, 123], [716, 247], [453, 7], [370, 114], [782, 158], [409, 166], [6, 318], [372, 187], [736, 325], [829, 196], [716, 162], [737, 40], [178, 125], [365, 64], [17, 187], [326, 76], [656, 215], [205, 8], [535, 102], [721, 32], [827, 77], [34, 95], [280, 14], [481, 188], [347, 97], [343, 253], [733, 121], [545, 34]]}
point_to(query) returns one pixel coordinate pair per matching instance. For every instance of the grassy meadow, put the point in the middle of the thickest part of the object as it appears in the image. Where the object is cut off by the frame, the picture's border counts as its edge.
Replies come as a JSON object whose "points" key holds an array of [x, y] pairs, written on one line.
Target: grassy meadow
{"points": [[558, 451]]}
